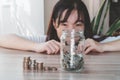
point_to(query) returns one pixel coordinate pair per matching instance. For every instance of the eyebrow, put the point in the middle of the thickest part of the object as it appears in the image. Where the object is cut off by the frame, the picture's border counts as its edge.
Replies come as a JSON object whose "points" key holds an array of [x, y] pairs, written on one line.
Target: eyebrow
{"points": [[79, 21], [62, 21]]}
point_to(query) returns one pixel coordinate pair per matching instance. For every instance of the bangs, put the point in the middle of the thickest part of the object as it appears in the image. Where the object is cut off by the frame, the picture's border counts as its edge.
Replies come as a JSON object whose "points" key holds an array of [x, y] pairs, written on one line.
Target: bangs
{"points": [[67, 14]]}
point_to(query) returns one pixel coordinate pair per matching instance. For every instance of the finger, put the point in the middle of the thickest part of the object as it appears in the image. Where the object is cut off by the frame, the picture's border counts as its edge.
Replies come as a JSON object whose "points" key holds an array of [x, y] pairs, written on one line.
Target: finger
{"points": [[80, 47], [86, 46], [88, 50], [55, 45], [50, 47], [58, 43], [48, 50]]}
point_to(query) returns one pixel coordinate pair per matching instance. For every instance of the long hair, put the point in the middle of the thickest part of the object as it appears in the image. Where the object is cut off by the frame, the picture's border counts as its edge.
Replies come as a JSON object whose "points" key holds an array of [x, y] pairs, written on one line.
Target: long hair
{"points": [[68, 5]]}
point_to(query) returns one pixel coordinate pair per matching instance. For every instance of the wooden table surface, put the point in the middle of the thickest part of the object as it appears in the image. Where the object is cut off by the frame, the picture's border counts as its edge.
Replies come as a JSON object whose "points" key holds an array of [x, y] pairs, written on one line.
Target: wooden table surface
{"points": [[104, 66]]}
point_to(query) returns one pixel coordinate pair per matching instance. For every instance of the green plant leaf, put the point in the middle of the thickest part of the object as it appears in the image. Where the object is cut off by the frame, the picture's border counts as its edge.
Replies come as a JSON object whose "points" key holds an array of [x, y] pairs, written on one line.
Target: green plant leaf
{"points": [[105, 14], [114, 27], [98, 17], [93, 21]]}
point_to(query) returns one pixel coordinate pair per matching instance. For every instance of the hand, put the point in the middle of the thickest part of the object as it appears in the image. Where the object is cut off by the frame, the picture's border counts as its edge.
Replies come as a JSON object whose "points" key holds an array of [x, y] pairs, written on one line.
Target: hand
{"points": [[91, 45], [50, 47]]}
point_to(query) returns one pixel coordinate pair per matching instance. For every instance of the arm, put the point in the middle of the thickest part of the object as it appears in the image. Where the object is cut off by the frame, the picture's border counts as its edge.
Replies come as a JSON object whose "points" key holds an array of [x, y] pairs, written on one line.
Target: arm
{"points": [[91, 45], [16, 42], [111, 46]]}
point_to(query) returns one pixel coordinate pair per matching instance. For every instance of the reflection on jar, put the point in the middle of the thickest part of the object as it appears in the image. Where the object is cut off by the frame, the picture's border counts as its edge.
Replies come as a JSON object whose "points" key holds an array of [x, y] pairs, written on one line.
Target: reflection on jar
{"points": [[72, 45]]}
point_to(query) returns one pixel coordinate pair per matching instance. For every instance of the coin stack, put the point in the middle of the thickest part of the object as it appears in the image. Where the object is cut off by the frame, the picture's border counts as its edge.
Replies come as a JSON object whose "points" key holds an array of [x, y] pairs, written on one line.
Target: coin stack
{"points": [[40, 66], [34, 65], [29, 64]]}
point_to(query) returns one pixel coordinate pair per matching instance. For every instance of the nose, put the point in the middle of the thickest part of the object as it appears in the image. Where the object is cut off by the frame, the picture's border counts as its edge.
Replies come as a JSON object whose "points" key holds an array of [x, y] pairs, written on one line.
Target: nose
{"points": [[76, 28], [71, 27]]}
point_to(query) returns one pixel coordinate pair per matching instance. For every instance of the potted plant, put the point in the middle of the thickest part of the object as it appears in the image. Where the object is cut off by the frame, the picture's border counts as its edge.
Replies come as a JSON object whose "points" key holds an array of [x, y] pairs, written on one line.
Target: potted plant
{"points": [[99, 21]]}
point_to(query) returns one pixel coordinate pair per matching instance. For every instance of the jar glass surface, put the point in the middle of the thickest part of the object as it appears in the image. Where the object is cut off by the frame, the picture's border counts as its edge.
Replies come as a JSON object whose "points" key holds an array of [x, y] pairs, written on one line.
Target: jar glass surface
{"points": [[72, 46]]}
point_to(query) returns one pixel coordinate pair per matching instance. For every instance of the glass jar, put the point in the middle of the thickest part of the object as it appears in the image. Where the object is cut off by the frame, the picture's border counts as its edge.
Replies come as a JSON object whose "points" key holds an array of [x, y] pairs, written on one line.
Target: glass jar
{"points": [[71, 53]]}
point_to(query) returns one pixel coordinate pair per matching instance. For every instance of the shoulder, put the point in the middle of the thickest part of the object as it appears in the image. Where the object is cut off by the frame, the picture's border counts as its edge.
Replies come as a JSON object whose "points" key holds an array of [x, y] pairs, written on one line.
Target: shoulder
{"points": [[111, 38]]}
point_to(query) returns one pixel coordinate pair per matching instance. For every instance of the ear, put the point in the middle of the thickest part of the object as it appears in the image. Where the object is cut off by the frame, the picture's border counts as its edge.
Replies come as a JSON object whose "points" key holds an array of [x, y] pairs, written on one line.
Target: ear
{"points": [[55, 24]]}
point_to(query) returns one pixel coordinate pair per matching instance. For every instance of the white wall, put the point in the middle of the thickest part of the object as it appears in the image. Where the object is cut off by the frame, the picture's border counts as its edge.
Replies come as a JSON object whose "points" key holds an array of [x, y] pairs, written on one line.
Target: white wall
{"points": [[18, 15], [49, 4]]}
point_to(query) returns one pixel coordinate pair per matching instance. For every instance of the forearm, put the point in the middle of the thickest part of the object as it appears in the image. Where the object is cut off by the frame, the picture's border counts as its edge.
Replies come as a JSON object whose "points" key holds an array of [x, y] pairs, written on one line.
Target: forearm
{"points": [[15, 42], [111, 46]]}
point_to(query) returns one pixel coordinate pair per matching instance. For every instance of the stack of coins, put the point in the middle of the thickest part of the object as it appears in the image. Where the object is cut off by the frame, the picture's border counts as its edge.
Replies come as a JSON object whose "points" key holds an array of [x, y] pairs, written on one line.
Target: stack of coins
{"points": [[40, 66], [34, 65], [54, 68], [48, 68], [29, 64]]}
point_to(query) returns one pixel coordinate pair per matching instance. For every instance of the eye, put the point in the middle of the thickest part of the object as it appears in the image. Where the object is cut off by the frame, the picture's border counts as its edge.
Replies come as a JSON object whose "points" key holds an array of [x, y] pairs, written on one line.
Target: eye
{"points": [[64, 24], [79, 24]]}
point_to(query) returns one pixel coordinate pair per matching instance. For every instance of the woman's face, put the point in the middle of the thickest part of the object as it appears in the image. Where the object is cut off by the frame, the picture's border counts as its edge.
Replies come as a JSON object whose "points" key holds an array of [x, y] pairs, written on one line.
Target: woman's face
{"points": [[71, 23]]}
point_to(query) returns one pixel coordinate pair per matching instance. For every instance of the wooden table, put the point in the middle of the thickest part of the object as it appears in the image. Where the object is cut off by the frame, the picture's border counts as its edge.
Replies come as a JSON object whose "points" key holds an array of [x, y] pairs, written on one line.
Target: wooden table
{"points": [[105, 66]]}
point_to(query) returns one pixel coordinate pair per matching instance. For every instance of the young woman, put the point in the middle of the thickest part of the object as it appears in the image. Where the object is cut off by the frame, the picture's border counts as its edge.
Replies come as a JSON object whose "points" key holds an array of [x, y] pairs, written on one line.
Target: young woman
{"points": [[67, 14]]}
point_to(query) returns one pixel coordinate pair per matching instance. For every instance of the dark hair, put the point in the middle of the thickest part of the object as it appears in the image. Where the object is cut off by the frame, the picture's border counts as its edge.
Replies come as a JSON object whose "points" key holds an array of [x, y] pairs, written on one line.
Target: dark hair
{"points": [[70, 5]]}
